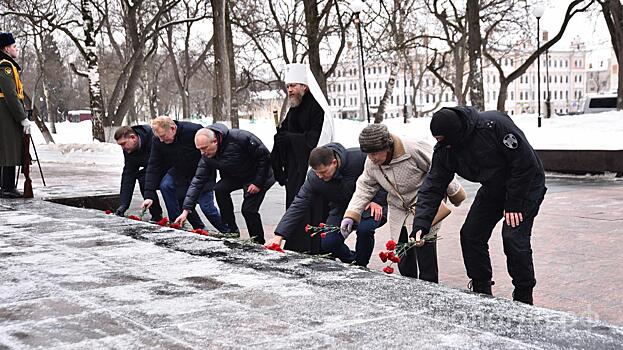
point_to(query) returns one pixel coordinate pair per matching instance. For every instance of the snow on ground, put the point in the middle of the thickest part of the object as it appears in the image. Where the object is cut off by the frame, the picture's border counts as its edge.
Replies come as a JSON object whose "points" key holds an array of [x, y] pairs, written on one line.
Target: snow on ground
{"points": [[599, 131]]}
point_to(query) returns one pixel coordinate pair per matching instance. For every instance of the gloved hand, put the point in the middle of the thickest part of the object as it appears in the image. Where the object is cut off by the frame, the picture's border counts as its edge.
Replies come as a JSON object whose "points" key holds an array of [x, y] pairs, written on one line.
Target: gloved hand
{"points": [[121, 210], [414, 233], [417, 234], [26, 124], [281, 138], [346, 227]]}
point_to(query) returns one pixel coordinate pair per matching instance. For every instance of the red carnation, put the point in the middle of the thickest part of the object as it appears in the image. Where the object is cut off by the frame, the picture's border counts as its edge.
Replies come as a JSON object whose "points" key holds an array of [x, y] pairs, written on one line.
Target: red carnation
{"points": [[163, 222], [390, 255], [276, 247], [134, 217], [383, 256], [390, 245], [307, 228], [323, 235], [321, 225], [200, 232], [108, 211], [175, 226], [388, 269], [395, 259]]}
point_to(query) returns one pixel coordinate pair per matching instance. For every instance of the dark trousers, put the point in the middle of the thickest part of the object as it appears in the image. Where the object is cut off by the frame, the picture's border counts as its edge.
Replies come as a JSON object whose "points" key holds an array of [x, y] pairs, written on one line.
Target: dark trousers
{"points": [[422, 258], [155, 210], [334, 244], [250, 205], [8, 178], [174, 191], [484, 214]]}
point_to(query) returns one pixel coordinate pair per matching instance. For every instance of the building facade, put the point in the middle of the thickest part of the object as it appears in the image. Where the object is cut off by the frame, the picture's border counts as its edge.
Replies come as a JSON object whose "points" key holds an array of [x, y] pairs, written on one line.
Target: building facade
{"points": [[566, 78]]}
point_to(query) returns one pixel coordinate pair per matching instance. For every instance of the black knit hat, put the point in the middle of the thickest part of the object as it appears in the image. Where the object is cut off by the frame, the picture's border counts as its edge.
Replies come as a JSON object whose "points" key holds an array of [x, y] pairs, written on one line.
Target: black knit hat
{"points": [[374, 138], [6, 39], [447, 123]]}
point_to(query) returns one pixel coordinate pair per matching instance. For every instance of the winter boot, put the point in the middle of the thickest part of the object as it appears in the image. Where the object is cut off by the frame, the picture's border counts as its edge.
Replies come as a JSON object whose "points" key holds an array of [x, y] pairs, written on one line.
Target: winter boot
{"points": [[482, 287], [523, 295]]}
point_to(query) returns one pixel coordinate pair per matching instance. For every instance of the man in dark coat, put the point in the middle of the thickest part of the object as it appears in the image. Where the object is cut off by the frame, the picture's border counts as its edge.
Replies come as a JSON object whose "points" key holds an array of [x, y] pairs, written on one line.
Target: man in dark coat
{"points": [[296, 136], [490, 149], [333, 178], [173, 148], [13, 118], [136, 143], [244, 163]]}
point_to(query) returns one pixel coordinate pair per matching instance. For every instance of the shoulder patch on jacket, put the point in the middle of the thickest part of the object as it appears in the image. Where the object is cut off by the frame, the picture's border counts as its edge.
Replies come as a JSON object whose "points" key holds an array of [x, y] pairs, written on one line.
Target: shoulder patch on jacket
{"points": [[8, 71], [510, 141]]}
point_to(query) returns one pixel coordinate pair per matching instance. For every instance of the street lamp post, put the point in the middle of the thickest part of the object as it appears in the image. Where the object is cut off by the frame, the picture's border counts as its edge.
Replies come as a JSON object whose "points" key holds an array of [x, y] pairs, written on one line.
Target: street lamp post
{"points": [[548, 98], [357, 6], [538, 13]]}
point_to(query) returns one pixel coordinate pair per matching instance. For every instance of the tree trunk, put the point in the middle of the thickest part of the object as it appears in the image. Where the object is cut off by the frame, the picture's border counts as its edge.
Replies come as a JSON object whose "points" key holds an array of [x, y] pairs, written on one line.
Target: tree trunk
{"points": [[95, 92], [312, 26], [459, 59], [46, 94], [221, 105], [474, 44], [233, 112], [389, 90], [613, 14], [503, 94]]}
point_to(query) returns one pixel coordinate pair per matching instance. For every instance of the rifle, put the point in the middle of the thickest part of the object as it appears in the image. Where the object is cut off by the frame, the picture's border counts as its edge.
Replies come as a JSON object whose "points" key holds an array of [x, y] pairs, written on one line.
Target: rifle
{"points": [[26, 160]]}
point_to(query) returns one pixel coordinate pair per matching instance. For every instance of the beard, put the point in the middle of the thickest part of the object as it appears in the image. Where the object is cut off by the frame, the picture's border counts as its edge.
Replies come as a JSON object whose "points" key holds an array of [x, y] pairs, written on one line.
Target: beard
{"points": [[295, 100]]}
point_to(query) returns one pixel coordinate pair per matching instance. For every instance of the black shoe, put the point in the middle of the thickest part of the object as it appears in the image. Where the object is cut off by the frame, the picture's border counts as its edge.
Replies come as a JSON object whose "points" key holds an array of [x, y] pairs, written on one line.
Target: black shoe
{"points": [[11, 194], [523, 295], [482, 287]]}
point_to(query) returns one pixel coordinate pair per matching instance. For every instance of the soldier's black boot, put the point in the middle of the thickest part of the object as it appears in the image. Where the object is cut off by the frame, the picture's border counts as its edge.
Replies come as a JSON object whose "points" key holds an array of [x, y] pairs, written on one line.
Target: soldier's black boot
{"points": [[523, 295], [482, 287]]}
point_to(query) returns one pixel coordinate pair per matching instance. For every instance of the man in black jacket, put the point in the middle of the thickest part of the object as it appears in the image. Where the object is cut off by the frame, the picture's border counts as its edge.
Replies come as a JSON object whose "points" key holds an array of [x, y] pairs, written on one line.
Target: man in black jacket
{"points": [[244, 163], [173, 148], [333, 178], [136, 144], [490, 149]]}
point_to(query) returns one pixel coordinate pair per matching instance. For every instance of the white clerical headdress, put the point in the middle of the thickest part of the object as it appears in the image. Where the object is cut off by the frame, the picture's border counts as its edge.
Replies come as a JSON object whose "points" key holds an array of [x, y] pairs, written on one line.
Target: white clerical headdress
{"points": [[298, 73]]}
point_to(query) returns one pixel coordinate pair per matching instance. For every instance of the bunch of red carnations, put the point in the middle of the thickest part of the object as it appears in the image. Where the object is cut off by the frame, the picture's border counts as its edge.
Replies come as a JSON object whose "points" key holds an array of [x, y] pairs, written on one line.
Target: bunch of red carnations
{"points": [[321, 229]]}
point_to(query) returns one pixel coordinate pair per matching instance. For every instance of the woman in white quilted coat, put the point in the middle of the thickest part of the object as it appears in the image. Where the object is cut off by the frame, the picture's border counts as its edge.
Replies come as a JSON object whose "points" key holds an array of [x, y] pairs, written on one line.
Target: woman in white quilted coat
{"points": [[398, 166]]}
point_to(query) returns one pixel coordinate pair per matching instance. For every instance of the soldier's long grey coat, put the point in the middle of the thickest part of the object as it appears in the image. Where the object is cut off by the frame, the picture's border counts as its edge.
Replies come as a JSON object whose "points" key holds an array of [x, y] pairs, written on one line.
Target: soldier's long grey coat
{"points": [[11, 114]]}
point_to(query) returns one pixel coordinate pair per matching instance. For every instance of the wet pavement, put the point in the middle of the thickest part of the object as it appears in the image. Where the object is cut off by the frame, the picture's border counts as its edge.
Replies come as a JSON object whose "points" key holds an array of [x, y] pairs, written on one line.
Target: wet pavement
{"points": [[77, 278]]}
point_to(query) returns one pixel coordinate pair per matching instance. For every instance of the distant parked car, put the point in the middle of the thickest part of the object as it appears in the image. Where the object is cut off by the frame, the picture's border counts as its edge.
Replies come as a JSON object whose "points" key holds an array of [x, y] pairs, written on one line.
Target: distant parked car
{"points": [[600, 103]]}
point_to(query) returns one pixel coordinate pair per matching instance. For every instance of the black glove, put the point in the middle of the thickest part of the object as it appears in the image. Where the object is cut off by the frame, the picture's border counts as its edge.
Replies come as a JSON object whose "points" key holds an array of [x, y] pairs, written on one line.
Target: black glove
{"points": [[281, 138], [419, 228], [121, 210]]}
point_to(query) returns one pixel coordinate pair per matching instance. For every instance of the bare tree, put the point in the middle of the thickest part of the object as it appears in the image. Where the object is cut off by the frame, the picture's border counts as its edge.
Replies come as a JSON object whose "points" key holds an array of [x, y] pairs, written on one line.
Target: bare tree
{"points": [[613, 14], [188, 63], [221, 105], [574, 8], [474, 48]]}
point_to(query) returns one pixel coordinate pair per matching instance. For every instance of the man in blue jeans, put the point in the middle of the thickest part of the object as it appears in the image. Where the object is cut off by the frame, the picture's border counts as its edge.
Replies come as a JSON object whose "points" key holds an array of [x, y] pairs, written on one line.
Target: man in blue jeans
{"points": [[333, 178], [173, 148]]}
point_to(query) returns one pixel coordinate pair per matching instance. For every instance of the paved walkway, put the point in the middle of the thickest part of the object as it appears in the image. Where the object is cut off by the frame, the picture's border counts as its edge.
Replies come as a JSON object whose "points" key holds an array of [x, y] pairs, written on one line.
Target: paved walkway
{"points": [[577, 239]]}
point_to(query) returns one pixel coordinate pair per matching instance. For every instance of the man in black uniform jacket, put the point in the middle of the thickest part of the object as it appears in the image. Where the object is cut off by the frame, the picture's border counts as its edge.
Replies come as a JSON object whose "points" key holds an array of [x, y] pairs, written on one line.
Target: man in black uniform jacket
{"points": [[490, 149], [244, 163]]}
